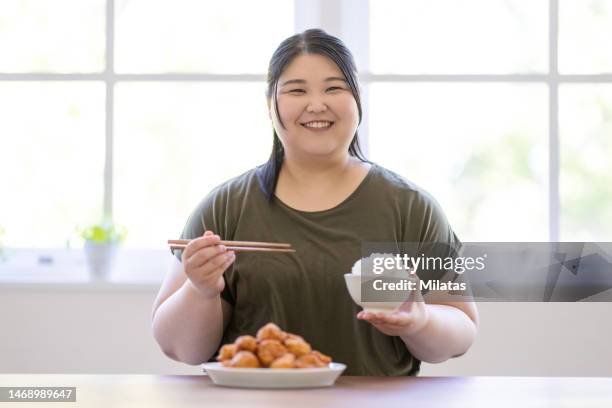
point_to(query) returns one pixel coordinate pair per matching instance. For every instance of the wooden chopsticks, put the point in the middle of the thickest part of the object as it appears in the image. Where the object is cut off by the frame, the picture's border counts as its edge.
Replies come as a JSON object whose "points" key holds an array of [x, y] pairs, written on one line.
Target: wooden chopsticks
{"points": [[240, 246]]}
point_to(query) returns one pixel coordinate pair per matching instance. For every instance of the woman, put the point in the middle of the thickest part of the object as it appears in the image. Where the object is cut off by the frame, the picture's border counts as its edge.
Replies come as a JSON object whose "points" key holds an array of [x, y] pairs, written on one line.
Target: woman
{"points": [[319, 193]]}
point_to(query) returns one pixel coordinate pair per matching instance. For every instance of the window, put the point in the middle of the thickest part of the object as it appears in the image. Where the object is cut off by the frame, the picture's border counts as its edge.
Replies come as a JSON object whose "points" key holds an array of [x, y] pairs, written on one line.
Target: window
{"points": [[586, 169], [482, 160], [51, 158], [59, 36], [458, 37], [235, 36], [502, 109], [152, 90], [174, 142]]}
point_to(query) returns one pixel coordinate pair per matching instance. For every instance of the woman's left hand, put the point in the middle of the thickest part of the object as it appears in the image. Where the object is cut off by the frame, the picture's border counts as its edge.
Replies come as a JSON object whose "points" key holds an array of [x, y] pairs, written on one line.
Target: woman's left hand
{"points": [[409, 318]]}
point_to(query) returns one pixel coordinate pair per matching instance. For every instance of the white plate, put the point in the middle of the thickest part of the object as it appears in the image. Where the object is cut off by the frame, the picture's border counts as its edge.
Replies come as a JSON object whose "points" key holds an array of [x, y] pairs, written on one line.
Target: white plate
{"points": [[274, 377]]}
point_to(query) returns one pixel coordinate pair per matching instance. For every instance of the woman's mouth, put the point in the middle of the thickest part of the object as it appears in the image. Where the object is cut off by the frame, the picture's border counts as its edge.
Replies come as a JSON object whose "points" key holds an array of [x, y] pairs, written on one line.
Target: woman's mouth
{"points": [[318, 125]]}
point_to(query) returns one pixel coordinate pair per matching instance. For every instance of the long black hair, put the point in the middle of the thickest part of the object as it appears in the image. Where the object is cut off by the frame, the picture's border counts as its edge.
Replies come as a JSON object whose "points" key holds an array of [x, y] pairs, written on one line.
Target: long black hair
{"points": [[313, 41]]}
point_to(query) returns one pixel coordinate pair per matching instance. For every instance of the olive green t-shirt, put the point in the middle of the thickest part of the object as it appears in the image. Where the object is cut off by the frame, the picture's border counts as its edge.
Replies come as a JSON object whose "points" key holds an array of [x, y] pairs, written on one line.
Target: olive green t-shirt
{"points": [[305, 292]]}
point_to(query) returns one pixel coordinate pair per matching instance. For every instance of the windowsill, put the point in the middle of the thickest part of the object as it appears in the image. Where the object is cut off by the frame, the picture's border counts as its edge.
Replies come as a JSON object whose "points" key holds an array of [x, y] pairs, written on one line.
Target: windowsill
{"points": [[135, 270]]}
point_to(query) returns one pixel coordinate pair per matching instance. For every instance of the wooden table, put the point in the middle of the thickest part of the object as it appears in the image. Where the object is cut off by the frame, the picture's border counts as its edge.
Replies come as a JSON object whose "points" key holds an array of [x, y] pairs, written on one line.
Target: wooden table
{"points": [[150, 391]]}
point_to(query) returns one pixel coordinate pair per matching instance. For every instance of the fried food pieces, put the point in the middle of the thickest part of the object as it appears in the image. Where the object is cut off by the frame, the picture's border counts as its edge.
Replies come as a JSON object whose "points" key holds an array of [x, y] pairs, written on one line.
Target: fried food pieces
{"points": [[227, 352], [248, 343], [244, 359], [287, 360], [309, 360], [271, 348], [297, 347], [271, 332]]}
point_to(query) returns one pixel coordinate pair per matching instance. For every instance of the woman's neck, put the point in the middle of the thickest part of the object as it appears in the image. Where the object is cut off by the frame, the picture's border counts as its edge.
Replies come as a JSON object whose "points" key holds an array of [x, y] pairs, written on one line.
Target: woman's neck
{"points": [[307, 172], [318, 185]]}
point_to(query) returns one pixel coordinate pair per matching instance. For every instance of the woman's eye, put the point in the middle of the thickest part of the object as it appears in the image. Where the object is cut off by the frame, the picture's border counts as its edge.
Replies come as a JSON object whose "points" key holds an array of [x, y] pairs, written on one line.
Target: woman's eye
{"points": [[333, 88], [296, 91]]}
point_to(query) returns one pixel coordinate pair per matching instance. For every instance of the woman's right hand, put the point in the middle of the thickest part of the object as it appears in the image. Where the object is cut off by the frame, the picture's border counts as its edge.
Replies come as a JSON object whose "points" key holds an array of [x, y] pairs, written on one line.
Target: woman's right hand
{"points": [[205, 260]]}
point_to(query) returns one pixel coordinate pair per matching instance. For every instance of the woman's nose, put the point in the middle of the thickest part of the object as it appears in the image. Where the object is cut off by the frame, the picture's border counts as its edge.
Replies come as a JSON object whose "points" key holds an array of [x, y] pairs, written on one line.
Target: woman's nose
{"points": [[316, 105]]}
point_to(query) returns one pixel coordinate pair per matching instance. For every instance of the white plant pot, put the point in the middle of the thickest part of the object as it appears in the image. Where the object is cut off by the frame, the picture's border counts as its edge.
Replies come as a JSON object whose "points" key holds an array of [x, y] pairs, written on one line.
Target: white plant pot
{"points": [[100, 259]]}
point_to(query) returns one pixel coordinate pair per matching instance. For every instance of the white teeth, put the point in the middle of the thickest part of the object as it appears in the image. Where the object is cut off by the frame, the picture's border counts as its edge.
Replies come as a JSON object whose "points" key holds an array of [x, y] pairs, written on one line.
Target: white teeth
{"points": [[317, 124]]}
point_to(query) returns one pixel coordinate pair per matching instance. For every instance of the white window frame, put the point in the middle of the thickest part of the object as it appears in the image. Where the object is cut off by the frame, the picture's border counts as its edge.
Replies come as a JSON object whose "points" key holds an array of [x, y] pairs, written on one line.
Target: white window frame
{"points": [[353, 25], [349, 20]]}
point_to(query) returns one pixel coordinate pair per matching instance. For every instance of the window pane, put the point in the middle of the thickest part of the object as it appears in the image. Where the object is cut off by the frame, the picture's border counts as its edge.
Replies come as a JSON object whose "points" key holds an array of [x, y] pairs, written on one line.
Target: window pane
{"points": [[585, 30], [586, 165], [52, 158], [52, 36], [458, 37], [236, 36], [176, 142], [480, 150]]}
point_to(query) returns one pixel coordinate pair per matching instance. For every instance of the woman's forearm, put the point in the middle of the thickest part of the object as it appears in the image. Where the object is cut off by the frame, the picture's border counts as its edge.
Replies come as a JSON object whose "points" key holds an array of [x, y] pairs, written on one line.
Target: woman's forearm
{"points": [[449, 332], [188, 326]]}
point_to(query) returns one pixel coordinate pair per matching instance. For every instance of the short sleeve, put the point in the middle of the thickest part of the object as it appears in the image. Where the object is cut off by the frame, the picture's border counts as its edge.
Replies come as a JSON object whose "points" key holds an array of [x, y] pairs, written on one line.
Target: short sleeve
{"points": [[436, 239], [438, 236], [208, 215], [195, 227]]}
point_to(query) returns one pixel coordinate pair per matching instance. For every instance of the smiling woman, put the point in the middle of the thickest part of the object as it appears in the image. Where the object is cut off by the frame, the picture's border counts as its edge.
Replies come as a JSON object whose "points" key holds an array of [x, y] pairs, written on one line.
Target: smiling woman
{"points": [[315, 116], [314, 97], [314, 77], [319, 193]]}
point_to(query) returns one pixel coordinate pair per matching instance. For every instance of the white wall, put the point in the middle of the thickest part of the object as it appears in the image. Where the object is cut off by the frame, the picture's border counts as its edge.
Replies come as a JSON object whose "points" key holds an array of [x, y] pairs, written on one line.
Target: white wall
{"points": [[99, 329], [70, 330], [537, 339]]}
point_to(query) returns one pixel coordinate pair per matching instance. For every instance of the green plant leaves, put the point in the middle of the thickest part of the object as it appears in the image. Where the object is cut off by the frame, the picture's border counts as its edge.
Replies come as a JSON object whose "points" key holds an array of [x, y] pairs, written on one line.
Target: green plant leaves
{"points": [[104, 232]]}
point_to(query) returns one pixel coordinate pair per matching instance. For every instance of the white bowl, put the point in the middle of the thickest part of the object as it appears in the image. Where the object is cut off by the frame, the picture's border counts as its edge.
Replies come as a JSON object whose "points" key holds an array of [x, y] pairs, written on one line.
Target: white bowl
{"points": [[353, 284]]}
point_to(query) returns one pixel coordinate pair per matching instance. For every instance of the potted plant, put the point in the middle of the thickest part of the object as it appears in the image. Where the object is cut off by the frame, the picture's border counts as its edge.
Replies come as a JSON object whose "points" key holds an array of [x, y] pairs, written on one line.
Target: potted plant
{"points": [[101, 242]]}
